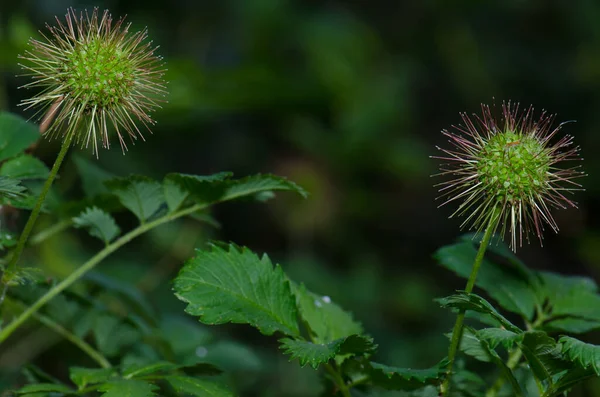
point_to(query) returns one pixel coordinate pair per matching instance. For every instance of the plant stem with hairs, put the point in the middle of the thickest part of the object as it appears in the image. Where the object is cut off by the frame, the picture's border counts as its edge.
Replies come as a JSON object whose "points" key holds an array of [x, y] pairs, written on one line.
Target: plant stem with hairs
{"points": [[458, 325]]}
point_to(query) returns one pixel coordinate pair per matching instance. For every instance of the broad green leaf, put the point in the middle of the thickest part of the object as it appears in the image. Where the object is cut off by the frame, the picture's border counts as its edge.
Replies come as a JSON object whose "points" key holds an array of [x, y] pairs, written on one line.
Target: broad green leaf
{"points": [[200, 387], [111, 334], [98, 223], [24, 167], [510, 286], [319, 353], [10, 188], [233, 284], [44, 387], [577, 303], [92, 176], [141, 195], [256, 184], [474, 302], [16, 135], [393, 378], [86, 376], [543, 355], [326, 320], [128, 388], [584, 354], [202, 189]]}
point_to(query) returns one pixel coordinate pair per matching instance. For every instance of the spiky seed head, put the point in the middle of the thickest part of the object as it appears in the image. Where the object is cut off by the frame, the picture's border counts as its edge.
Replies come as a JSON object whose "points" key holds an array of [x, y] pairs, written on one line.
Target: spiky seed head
{"points": [[95, 76], [515, 170]]}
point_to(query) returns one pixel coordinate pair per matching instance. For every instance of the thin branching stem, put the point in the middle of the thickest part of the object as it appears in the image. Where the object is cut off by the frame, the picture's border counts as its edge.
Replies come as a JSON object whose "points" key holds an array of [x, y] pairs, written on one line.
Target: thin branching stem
{"points": [[460, 318], [11, 269], [91, 263]]}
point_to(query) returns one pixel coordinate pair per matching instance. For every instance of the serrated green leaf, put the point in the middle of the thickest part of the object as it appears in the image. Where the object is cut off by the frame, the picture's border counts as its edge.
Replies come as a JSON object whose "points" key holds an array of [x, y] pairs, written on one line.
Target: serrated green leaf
{"points": [[199, 386], [584, 354], [319, 353], [474, 302], [327, 321], [394, 378], [498, 336], [16, 135], [45, 388], [98, 223], [510, 286], [141, 195], [10, 188], [543, 355], [233, 284], [496, 359], [201, 189], [255, 184], [89, 376], [92, 176], [24, 167], [127, 388], [470, 344], [568, 379], [156, 367]]}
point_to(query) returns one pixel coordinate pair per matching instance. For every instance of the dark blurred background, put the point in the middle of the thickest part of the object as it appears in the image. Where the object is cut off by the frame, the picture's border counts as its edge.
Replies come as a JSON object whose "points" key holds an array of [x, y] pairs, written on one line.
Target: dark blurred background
{"points": [[347, 98]]}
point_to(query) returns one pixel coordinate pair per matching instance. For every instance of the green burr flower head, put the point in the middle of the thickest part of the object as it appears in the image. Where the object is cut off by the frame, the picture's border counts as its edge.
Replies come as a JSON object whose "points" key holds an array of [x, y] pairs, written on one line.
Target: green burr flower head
{"points": [[512, 170], [96, 77]]}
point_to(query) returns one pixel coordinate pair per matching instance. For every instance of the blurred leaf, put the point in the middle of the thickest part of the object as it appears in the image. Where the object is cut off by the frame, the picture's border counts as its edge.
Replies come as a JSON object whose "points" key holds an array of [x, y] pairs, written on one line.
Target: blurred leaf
{"points": [[98, 223], [128, 388], [202, 189], [25, 167], [11, 188], [86, 376], [474, 302], [233, 284], [92, 176], [326, 320], [508, 286], [111, 334], [16, 135], [255, 184], [319, 353], [584, 354], [393, 378], [141, 195], [198, 387], [44, 388]]}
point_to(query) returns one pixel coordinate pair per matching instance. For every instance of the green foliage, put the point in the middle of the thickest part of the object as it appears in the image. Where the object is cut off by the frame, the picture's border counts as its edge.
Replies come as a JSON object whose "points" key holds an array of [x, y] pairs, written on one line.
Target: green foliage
{"points": [[393, 378], [476, 303], [140, 194], [128, 388], [16, 135], [85, 376], [98, 223], [327, 321], [10, 188], [233, 284], [24, 167], [509, 285], [320, 353], [198, 387], [584, 354]]}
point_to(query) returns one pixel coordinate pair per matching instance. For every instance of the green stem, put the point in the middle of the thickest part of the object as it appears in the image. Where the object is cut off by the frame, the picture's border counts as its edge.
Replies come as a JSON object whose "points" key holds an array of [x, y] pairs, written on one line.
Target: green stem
{"points": [[45, 234], [74, 339], [339, 381], [11, 269], [90, 264], [460, 318]]}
